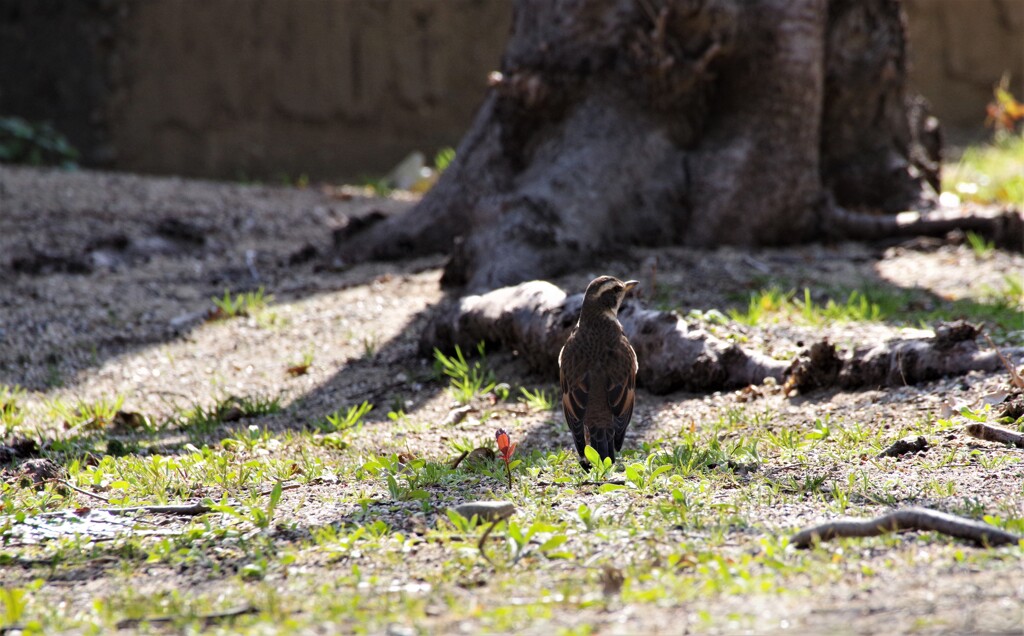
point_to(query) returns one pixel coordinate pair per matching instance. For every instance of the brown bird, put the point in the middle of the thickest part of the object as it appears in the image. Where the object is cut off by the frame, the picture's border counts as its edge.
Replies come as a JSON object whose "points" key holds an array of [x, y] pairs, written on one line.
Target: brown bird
{"points": [[598, 371]]}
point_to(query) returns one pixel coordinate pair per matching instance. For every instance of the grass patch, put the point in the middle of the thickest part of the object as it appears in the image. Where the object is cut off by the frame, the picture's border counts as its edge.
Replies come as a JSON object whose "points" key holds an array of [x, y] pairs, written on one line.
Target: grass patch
{"points": [[773, 303], [202, 420], [1001, 308], [251, 303], [93, 415], [989, 173], [12, 412], [687, 519]]}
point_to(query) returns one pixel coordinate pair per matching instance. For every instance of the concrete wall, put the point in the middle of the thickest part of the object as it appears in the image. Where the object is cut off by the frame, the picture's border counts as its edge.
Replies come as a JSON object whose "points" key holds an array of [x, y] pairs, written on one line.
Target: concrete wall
{"points": [[340, 88], [326, 87], [959, 49], [251, 88]]}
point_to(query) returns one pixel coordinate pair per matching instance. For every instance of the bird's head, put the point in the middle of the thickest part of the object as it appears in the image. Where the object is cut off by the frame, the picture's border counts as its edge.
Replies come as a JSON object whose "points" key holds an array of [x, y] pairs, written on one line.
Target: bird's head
{"points": [[604, 295]]}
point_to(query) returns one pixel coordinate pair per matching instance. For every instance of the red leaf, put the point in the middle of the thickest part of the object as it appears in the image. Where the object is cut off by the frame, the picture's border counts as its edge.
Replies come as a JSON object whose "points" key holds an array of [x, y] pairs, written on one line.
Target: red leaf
{"points": [[505, 445]]}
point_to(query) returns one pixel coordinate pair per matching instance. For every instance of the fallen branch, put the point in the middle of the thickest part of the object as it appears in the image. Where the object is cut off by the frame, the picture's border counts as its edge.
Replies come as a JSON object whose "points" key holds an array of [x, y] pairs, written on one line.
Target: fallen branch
{"points": [[991, 433], [82, 491], [614, 482], [186, 510], [907, 519], [284, 487], [207, 620]]}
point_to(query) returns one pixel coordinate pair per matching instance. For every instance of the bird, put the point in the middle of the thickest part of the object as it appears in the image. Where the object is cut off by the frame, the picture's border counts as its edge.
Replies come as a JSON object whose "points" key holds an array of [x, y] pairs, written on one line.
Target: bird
{"points": [[597, 369]]}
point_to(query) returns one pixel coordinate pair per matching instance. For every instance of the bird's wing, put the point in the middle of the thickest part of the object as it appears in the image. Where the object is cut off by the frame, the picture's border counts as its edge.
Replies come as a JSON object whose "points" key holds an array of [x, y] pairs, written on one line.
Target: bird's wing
{"points": [[575, 389], [622, 395]]}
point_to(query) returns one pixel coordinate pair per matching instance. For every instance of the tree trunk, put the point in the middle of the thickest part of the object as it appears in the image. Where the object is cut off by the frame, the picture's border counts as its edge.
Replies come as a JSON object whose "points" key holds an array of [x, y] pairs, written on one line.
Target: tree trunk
{"points": [[686, 122]]}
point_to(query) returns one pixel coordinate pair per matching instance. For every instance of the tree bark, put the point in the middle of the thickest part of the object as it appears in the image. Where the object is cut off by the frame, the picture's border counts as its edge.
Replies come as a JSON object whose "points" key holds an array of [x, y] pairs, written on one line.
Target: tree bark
{"points": [[686, 122]]}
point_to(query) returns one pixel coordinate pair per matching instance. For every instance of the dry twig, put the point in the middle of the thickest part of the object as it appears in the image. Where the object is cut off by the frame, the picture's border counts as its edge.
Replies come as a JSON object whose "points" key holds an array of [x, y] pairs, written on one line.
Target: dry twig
{"points": [[907, 519], [207, 620], [82, 491], [186, 510], [614, 482], [1015, 377]]}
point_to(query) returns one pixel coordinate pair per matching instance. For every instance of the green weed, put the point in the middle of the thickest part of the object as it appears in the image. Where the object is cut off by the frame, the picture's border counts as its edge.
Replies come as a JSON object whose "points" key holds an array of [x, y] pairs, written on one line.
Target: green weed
{"points": [[599, 468], [774, 303], [350, 419], [1000, 308], [87, 415], [12, 413], [466, 381], [443, 159], [202, 420], [538, 400], [258, 515], [244, 304], [35, 144], [981, 247]]}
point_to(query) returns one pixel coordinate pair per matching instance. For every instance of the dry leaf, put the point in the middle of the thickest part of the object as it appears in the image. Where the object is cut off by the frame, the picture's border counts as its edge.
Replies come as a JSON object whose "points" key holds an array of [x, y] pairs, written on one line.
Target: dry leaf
{"points": [[612, 580]]}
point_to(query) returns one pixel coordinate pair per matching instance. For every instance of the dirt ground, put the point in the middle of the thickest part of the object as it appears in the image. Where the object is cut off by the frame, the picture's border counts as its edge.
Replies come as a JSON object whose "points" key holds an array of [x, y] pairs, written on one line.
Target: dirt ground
{"points": [[106, 281]]}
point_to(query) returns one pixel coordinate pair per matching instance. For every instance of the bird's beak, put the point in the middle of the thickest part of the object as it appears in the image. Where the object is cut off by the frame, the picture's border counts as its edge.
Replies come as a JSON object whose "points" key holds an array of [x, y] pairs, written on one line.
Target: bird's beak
{"points": [[630, 284]]}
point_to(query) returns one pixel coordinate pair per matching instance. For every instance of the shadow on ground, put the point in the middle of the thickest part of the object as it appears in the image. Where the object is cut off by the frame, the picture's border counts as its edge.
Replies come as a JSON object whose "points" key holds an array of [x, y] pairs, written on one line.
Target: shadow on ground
{"points": [[97, 268]]}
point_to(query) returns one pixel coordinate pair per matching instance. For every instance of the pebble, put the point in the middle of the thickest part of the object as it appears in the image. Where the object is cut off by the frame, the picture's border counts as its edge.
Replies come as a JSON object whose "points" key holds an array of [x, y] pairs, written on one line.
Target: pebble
{"points": [[486, 510]]}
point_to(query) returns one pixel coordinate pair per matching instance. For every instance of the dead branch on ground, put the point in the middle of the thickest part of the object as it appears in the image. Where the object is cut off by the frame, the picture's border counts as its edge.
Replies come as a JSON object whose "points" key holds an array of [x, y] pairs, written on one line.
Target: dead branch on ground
{"points": [[207, 620], [907, 519], [185, 510], [991, 433]]}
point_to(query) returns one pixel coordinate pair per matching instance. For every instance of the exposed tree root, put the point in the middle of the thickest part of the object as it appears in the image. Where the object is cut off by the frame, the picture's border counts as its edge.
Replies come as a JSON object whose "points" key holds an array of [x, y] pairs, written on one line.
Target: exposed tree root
{"points": [[952, 351], [534, 320], [994, 434], [907, 519], [1004, 227]]}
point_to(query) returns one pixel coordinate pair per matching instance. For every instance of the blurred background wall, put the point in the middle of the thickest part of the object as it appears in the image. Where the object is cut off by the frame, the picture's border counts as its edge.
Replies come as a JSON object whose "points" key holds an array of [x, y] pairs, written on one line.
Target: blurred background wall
{"points": [[269, 89], [959, 50]]}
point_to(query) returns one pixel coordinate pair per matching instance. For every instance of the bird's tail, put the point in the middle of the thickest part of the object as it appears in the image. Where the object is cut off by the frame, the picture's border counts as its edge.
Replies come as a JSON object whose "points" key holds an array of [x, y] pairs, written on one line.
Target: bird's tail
{"points": [[603, 441]]}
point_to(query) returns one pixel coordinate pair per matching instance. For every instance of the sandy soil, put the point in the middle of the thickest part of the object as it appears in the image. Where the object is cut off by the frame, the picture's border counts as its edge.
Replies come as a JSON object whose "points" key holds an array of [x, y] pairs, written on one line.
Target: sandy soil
{"points": [[106, 279]]}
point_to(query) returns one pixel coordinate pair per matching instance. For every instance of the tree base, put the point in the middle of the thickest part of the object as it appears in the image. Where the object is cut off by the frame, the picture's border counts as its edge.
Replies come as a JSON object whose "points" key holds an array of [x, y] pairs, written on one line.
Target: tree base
{"points": [[621, 122]]}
